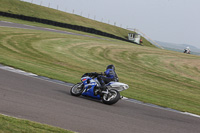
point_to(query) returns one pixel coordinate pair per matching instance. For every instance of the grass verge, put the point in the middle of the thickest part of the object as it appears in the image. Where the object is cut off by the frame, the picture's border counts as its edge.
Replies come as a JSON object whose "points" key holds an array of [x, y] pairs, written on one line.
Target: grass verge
{"points": [[28, 9], [14, 125]]}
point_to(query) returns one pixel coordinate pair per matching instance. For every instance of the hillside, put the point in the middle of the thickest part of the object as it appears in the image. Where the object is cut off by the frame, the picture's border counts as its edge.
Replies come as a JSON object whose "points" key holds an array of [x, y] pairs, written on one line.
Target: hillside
{"points": [[28, 9]]}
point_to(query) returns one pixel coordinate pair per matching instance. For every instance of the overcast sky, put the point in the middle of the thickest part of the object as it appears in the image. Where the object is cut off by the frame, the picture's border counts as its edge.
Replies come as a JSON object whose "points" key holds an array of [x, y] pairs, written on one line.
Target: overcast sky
{"points": [[174, 21]]}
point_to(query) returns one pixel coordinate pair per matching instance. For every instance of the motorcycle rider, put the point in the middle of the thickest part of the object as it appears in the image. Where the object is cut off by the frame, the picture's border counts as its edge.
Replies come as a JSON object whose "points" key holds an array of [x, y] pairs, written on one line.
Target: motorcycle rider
{"points": [[103, 80], [187, 50], [110, 76]]}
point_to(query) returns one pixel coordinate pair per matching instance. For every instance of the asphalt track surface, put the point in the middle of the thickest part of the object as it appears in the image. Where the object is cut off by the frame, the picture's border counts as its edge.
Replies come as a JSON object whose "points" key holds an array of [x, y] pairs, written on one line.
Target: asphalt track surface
{"points": [[40, 100]]}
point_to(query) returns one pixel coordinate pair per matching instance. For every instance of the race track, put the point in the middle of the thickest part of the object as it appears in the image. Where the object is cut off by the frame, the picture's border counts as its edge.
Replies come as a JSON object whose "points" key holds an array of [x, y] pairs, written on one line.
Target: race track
{"points": [[39, 100], [23, 26], [30, 97]]}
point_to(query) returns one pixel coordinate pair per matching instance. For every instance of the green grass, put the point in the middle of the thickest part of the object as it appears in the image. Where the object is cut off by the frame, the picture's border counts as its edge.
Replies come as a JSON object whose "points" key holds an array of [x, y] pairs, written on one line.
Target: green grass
{"points": [[14, 125], [13, 20], [157, 76], [28, 9]]}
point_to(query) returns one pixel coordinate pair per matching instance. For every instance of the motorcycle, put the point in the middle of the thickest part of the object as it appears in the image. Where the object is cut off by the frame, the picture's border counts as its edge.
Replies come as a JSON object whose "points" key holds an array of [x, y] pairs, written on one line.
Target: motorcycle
{"points": [[90, 87], [186, 51]]}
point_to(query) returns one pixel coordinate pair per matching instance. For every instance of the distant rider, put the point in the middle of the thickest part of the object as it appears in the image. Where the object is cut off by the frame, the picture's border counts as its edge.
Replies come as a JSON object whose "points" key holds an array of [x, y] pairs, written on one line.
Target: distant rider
{"points": [[187, 50]]}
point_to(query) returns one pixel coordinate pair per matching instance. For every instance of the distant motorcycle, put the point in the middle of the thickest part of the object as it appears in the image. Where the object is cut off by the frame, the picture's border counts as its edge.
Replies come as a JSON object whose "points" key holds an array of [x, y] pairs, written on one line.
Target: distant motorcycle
{"points": [[90, 87], [187, 51]]}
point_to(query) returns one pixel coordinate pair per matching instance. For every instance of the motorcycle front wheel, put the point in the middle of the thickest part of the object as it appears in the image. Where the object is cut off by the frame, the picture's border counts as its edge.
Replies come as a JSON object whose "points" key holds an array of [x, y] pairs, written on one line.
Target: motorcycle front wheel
{"points": [[77, 89], [111, 98]]}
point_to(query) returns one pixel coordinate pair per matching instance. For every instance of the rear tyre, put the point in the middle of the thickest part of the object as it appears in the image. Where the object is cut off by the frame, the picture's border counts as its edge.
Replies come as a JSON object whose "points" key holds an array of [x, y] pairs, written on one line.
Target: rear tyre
{"points": [[111, 98], [77, 89]]}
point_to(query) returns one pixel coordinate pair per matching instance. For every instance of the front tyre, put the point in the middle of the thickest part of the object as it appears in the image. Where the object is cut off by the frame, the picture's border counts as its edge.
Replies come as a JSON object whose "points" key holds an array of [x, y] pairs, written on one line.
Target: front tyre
{"points": [[77, 89], [111, 98]]}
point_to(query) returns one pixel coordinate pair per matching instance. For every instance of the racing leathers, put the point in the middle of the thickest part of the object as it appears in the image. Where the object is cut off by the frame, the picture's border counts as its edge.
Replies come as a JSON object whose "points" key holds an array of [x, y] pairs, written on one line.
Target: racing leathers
{"points": [[110, 76]]}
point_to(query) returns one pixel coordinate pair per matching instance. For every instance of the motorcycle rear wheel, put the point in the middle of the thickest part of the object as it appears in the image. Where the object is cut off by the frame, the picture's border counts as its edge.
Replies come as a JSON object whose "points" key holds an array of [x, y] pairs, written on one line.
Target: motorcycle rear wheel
{"points": [[77, 89], [111, 98]]}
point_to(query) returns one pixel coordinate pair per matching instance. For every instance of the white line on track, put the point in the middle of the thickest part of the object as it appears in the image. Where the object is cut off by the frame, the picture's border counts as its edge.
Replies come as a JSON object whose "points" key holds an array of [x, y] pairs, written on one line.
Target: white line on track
{"points": [[11, 69], [18, 71]]}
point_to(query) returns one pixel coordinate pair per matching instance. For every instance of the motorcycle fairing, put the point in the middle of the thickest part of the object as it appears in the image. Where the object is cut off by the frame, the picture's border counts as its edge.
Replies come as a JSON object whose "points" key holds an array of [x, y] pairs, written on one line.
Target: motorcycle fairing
{"points": [[117, 86], [89, 88], [90, 93]]}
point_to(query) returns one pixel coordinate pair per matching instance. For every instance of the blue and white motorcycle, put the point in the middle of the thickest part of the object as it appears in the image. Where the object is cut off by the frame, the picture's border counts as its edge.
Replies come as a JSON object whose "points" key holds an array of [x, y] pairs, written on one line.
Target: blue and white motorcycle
{"points": [[90, 87]]}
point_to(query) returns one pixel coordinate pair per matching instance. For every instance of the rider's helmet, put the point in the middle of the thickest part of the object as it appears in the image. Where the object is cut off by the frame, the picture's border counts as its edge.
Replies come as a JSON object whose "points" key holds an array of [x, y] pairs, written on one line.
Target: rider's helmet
{"points": [[112, 72], [111, 67]]}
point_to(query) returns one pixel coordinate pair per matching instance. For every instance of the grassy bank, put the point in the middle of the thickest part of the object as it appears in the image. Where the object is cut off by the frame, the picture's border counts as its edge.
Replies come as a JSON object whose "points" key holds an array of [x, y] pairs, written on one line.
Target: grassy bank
{"points": [[28, 9], [161, 77], [14, 125]]}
